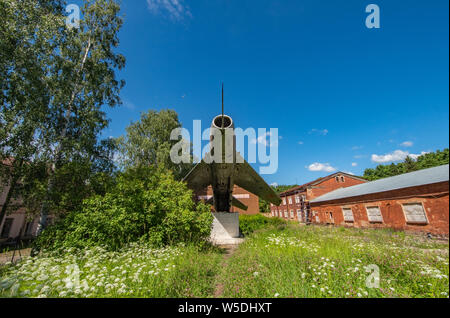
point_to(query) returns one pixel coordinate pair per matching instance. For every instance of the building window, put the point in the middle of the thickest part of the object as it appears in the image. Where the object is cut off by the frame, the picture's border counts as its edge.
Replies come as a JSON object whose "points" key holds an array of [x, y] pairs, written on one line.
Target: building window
{"points": [[6, 227], [337, 178], [342, 179], [415, 213], [374, 214], [29, 229], [303, 197], [292, 214], [284, 201], [297, 199], [276, 213], [348, 214], [290, 200], [285, 214]]}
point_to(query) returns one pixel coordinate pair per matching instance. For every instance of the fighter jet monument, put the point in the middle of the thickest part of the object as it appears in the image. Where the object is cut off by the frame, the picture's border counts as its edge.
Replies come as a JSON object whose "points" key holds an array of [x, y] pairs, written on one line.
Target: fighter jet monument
{"points": [[222, 168]]}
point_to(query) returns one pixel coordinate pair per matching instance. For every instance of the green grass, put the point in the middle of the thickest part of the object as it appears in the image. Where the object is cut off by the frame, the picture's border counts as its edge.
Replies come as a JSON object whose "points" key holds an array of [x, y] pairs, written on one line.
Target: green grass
{"points": [[288, 261], [135, 271], [330, 262]]}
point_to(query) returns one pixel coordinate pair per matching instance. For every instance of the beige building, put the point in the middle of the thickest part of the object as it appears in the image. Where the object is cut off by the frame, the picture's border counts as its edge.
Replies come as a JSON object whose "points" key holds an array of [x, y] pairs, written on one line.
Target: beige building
{"points": [[16, 224]]}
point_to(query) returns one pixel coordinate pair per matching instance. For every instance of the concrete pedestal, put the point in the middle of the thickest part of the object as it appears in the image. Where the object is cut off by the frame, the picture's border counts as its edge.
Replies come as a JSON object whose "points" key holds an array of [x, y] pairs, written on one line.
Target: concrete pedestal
{"points": [[225, 228]]}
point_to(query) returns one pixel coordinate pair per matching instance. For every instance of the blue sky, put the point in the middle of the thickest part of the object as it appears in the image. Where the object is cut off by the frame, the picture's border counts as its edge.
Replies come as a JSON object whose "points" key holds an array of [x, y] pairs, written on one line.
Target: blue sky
{"points": [[343, 96]]}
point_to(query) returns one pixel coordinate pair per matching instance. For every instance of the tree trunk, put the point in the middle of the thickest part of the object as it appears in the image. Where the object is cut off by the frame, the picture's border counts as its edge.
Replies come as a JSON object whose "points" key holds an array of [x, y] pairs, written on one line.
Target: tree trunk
{"points": [[45, 205]]}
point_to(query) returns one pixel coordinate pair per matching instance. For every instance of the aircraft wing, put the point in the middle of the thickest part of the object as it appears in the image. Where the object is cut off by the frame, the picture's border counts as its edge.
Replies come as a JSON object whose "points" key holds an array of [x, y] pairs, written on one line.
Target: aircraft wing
{"points": [[199, 177], [235, 202], [246, 177]]}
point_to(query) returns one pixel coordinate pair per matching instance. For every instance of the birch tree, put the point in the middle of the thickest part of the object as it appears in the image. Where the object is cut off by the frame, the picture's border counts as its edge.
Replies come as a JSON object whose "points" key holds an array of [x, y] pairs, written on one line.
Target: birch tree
{"points": [[83, 81], [54, 82]]}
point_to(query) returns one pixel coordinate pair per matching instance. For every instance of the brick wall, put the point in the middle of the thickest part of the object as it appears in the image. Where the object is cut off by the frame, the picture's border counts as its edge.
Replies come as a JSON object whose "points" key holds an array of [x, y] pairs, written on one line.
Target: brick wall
{"points": [[249, 199], [310, 191], [331, 185], [434, 198]]}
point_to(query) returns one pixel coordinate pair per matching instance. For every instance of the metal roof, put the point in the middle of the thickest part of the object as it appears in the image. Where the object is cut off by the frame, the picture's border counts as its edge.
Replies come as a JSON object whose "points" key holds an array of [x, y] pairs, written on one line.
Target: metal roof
{"points": [[411, 179]]}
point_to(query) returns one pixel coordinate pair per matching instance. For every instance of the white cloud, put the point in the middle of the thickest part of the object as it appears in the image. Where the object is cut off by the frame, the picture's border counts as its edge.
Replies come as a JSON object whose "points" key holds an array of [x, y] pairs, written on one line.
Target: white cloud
{"points": [[321, 167], [397, 155], [265, 140], [128, 104], [274, 184], [322, 132], [407, 144], [300, 142], [414, 156], [357, 147], [174, 9], [354, 164]]}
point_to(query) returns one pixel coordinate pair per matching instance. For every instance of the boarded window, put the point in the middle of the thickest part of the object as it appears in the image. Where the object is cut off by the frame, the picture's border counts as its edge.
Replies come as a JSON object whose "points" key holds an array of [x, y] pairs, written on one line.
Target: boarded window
{"points": [[374, 214], [348, 214], [415, 213]]}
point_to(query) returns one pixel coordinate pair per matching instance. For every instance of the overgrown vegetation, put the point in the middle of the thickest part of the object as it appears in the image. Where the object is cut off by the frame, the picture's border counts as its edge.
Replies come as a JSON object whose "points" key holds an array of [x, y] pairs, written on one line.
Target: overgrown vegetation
{"points": [[136, 270], [429, 160], [251, 223], [285, 261], [144, 204], [313, 261]]}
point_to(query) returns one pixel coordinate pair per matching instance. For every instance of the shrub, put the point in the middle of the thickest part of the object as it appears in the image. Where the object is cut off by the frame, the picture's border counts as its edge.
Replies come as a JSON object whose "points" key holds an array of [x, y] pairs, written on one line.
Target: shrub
{"points": [[143, 205], [250, 223]]}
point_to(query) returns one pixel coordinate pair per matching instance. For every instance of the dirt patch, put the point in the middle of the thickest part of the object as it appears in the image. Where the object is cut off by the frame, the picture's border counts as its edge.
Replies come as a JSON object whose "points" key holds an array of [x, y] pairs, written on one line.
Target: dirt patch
{"points": [[8, 256], [229, 250]]}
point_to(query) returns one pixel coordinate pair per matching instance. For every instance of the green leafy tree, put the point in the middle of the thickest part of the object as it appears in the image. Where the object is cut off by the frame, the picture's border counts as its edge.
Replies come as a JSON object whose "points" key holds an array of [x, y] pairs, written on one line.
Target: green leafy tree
{"points": [[147, 142], [28, 35], [144, 204], [428, 160], [55, 80], [264, 206], [82, 81]]}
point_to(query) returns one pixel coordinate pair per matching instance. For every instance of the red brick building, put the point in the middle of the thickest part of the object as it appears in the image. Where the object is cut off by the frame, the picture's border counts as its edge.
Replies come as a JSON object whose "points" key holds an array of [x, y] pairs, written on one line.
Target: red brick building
{"points": [[249, 199], [416, 201], [295, 201]]}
